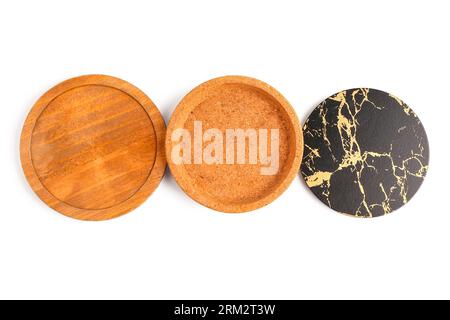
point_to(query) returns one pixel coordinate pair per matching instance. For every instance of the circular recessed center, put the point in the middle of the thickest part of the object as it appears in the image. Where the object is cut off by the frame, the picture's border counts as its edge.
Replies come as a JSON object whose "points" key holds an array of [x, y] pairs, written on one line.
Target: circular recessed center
{"points": [[93, 147], [263, 165]]}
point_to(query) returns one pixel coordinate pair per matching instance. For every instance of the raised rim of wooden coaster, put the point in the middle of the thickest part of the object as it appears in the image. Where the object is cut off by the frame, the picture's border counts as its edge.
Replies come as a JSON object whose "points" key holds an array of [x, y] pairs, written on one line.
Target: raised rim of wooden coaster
{"points": [[208, 91], [152, 163]]}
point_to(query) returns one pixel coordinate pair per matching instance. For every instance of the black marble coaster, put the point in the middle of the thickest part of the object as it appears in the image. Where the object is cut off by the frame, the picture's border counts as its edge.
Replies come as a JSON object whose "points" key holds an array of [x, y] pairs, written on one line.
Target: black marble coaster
{"points": [[366, 152]]}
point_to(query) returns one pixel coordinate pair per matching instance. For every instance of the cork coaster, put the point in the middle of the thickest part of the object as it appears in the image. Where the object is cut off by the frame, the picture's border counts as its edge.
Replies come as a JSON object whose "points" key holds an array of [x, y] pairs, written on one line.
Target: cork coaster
{"points": [[366, 152], [234, 144], [92, 147]]}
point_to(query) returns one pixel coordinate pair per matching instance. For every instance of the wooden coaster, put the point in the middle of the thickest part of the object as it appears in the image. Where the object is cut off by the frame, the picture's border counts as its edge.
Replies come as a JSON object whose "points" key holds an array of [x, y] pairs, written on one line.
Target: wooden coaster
{"points": [[208, 159], [92, 147], [366, 152]]}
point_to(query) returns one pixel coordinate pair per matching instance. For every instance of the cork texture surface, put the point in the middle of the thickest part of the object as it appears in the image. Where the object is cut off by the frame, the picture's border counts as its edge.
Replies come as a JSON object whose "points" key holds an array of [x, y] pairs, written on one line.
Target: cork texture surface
{"points": [[229, 103]]}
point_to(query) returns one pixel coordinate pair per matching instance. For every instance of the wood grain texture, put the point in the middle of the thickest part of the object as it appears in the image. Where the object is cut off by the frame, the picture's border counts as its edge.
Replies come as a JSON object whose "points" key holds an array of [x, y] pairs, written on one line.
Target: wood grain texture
{"points": [[233, 102], [92, 148]]}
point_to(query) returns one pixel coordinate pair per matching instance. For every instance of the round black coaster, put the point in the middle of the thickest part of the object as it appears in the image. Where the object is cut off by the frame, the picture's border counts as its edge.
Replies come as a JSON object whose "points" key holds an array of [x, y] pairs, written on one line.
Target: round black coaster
{"points": [[366, 152]]}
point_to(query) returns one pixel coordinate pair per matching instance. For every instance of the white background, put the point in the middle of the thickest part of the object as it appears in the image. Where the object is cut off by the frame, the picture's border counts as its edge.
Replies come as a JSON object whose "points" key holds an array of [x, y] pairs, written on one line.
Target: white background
{"points": [[171, 247]]}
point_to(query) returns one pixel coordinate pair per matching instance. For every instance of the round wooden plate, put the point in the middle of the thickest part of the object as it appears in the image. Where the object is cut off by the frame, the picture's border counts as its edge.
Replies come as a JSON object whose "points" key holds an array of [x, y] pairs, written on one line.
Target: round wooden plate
{"points": [[220, 180], [92, 147]]}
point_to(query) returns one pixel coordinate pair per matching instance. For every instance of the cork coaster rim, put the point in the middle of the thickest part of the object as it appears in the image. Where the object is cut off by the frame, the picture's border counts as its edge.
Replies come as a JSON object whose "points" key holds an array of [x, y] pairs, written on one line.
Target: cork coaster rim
{"points": [[196, 96], [156, 170]]}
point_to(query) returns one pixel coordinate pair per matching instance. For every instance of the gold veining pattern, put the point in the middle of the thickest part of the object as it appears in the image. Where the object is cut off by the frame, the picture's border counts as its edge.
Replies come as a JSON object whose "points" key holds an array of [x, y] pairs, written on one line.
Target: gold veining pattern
{"points": [[355, 157]]}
